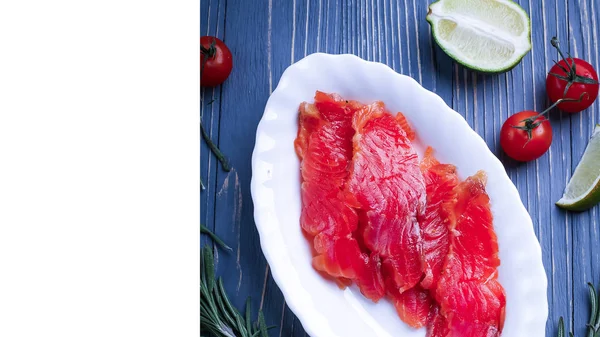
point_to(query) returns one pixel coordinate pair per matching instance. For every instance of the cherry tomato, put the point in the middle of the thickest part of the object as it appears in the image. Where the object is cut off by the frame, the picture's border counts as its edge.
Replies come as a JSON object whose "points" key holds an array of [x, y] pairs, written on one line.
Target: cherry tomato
{"points": [[526, 136], [215, 61], [572, 78]]}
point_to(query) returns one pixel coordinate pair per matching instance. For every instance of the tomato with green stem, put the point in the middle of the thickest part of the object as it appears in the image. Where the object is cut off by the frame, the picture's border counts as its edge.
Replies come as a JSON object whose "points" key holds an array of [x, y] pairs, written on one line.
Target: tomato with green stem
{"points": [[570, 78], [527, 135], [215, 61]]}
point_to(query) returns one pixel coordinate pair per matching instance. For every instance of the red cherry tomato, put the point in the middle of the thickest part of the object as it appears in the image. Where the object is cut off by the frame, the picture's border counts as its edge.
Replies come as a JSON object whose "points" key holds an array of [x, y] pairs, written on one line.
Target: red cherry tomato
{"points": [[571, 78], [215, 61], [526, 136], [555, 86]]}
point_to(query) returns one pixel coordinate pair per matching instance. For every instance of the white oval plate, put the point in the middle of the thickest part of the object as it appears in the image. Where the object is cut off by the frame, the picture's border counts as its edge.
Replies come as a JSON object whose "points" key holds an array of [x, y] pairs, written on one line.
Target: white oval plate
{"points": [[321, 306]]}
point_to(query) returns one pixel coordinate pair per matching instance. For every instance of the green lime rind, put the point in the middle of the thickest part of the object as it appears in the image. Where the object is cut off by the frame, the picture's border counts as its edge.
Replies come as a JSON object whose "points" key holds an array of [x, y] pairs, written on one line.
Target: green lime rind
{"points": [[457, 58], [587, 202], [586, 179]]}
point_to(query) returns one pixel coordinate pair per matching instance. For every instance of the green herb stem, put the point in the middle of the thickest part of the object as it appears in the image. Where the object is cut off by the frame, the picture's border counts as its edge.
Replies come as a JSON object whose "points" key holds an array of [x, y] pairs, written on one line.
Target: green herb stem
{"points": [[593, 326], [216, 239], [217, 315], [215, 150]]}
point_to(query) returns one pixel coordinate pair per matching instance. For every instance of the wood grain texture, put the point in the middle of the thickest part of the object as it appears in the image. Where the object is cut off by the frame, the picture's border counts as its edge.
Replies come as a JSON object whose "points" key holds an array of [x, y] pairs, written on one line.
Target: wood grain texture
{"points": [[267, 36]]}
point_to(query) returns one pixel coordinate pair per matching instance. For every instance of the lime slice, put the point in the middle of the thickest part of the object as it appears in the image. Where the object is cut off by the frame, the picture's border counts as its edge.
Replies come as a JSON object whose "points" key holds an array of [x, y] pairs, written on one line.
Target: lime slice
{"points": [[484, 35], [583, 191]]}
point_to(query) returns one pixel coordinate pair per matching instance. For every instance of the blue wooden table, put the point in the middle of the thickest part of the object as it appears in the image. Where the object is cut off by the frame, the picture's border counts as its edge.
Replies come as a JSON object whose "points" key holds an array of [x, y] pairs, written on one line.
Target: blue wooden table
{"points": [[266, 36]]}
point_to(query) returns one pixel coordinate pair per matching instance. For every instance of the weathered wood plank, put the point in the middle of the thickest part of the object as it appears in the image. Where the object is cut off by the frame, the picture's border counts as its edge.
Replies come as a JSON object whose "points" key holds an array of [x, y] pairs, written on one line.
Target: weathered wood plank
{"points": [[211, 23], [244, 95], [579, 23], [560, 272]]}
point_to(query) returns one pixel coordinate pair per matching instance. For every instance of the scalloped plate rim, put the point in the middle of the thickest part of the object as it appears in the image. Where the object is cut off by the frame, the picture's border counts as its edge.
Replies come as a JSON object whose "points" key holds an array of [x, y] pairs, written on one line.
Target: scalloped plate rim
{"points": [[307, 318]]}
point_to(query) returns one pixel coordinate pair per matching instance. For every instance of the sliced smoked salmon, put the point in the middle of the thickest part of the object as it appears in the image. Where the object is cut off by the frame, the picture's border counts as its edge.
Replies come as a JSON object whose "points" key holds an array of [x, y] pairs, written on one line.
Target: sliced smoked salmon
{"points": [[389, 190], [440, 181], [324, 145], [437, 326], [413, 305], [396, 226], [470, 297]]}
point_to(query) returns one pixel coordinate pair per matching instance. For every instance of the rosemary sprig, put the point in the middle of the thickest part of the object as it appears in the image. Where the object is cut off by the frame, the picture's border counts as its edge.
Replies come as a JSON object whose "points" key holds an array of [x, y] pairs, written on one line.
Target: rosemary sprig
{"points": [[593, 326], [594, 322], [561, 328], [217, 315], [216, 239], [215, 150]]}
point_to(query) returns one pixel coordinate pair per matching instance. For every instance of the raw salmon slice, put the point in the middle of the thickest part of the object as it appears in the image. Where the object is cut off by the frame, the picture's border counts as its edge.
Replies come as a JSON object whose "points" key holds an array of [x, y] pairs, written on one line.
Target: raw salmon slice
{"points": [[413, 305], [324, 146], [437, 326], [474, 244], [471, 299], [388, 188], [440, 181]]}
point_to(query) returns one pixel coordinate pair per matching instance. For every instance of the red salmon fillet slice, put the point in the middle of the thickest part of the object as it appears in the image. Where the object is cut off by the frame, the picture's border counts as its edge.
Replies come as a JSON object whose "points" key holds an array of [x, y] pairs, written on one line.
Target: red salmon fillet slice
{"points": [[437, 326], [324, 146], [475, 246], [471, 299], [410, 133], [413, 305], [463, 328], [440, 181], [388, 186]]}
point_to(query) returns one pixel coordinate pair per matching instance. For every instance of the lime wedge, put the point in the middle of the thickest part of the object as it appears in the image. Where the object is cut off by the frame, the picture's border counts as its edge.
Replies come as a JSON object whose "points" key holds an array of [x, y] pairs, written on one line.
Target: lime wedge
{"points": [[583, 191], [484, 35]]}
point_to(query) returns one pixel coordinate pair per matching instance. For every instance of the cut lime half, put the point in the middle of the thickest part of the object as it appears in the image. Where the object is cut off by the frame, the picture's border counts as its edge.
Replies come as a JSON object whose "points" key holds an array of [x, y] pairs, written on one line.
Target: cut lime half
{"points": [[583, 190], [484, 35]]}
